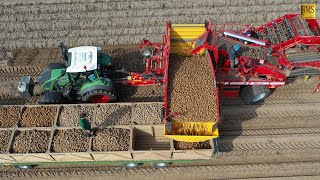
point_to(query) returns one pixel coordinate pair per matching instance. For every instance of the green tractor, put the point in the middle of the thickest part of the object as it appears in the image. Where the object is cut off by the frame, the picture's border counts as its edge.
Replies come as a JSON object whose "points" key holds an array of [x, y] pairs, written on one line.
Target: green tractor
{"points": [[82, 79]]}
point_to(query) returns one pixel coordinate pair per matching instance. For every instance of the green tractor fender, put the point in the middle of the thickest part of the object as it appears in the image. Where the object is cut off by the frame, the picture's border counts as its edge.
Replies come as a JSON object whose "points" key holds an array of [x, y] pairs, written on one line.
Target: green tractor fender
{"points": [[98, 91]]}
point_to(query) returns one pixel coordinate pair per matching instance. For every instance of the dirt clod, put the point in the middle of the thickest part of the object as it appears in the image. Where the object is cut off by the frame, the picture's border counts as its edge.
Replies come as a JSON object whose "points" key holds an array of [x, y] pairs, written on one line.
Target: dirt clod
{"points": [[113, 114], [147, 113], [112, 140], [71, 140], [179, 145], [4, 140], [38, 116], [32, 141], [191, 89], [9, 116], [69, 115]]}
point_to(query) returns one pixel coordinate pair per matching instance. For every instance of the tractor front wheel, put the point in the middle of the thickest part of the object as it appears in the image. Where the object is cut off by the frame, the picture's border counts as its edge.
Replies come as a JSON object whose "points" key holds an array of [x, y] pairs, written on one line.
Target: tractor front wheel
{"points": [[254, 94], [98, 96]]}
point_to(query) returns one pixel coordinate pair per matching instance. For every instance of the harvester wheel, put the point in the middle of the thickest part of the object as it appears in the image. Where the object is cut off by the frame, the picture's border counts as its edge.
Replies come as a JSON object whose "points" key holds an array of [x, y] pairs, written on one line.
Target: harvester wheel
{"points": [[52, 97], [99, 96], [254, 94], [56, 66]]}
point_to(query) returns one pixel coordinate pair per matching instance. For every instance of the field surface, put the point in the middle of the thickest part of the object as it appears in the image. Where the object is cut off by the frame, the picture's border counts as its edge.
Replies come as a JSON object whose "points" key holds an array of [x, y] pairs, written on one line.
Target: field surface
{"points": [[278, 138]]}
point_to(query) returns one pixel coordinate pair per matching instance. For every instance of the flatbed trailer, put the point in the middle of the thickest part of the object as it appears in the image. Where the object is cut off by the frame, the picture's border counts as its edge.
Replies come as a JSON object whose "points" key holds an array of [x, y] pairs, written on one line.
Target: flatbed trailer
{"points": [[146, 142]]}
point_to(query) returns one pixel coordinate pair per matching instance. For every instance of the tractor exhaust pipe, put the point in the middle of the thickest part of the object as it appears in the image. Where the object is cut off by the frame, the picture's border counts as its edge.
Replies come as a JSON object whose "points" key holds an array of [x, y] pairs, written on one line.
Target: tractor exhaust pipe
{"points": [[26, 86]]}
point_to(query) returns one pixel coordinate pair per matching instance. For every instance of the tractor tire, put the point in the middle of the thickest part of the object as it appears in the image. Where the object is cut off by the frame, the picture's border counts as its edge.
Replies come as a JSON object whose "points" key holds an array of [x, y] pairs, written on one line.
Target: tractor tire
{"points": [[52, 66], [254, 94], [98, 96], [52, 97]]}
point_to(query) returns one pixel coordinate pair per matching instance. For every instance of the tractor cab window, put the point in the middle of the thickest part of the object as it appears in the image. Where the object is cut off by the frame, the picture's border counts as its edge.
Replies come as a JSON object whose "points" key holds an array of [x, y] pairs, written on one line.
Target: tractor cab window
{"points": [[69, 58]]}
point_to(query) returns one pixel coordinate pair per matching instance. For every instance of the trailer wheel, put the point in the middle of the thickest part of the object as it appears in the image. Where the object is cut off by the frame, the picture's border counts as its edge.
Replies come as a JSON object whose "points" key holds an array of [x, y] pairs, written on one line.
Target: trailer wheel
{"points": [[160, 164], [254, 94], [24, 166], [130, 165]]}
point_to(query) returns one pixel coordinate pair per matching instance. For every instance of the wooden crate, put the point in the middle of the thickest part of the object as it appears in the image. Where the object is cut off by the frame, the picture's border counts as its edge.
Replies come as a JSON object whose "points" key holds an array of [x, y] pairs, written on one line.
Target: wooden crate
{"points": [[194, 153], [149, 143]]}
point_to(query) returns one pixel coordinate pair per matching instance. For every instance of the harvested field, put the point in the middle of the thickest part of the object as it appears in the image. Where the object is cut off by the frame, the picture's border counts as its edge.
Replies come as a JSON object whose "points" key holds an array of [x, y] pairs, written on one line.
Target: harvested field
{"points": [[112, 140], [46, 23], [9, 116], [191, 89], [69, 115], [43, 116], [113, 114], [71, 140], [179, 145], [150, 113], [32, 141], [4, 140]]}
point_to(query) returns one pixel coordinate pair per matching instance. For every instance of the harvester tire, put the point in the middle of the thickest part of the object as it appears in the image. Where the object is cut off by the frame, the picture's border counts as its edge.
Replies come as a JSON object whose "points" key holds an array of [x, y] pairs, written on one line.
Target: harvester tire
{"points": [[254, 94], [51, 97], [52, 66], [100, 92]]}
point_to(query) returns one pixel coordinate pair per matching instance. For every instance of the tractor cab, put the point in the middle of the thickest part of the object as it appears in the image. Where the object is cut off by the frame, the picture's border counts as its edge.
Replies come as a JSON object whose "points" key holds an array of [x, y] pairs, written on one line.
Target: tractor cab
{"points": [[83, 62], [85, 54], [82, 59]]}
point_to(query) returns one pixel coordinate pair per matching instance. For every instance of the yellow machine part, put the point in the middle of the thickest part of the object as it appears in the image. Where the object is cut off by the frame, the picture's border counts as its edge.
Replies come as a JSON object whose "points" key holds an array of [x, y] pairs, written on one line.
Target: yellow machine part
{"points": [[191, 131], [182, 38]]}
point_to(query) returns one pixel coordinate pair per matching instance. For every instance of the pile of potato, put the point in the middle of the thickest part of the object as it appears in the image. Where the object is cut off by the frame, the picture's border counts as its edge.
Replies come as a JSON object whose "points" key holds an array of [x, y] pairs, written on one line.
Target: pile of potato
{"points": [[9, 116], [191, 89], [69, 115], [113, 114], [71, 140], [43, 116], [32, 141], [4, 140], [179, 145], [112, 139], [150, 113]]}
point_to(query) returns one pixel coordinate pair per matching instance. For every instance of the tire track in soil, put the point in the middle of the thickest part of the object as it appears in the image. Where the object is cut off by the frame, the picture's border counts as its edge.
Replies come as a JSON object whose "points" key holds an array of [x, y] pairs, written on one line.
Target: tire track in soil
{"points": [[270, 117], [218, 172], [252, 143]]}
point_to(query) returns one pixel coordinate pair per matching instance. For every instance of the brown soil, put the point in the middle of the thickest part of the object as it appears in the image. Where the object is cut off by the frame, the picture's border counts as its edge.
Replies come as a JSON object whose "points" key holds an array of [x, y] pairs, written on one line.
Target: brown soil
{"points": [[147, 113], [69, 115], [33, 141], [71, 140], [34, 57], [112, 140], [4, 140], [113, 114], [9, 116], [179, 145], [191, 89], [38, 116]]}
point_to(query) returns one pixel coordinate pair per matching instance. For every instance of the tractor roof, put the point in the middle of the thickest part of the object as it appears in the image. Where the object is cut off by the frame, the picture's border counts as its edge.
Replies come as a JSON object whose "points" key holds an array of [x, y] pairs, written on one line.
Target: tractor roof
{"points": [[83, 58]]}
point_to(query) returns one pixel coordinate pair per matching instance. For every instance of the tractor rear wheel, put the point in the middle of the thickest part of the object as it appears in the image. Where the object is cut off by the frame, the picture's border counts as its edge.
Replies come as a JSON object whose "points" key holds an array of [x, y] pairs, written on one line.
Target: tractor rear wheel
{"points": [[52, 97], [254, 94], [99, 96]]}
